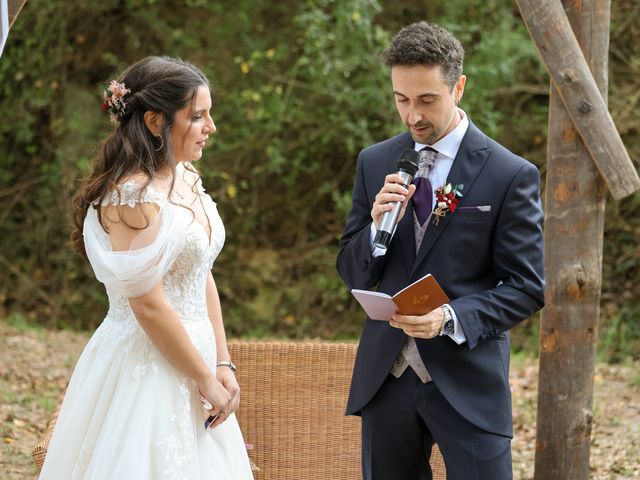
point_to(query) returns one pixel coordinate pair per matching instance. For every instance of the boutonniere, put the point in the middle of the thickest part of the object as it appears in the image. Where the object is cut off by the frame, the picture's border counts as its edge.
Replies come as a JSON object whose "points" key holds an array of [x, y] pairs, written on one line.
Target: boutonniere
{"points": [[447, 198]]}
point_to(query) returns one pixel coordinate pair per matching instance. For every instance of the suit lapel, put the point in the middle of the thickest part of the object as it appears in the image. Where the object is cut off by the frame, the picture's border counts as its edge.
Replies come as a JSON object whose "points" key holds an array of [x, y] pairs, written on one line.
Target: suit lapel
{"points": [[466, 166]]}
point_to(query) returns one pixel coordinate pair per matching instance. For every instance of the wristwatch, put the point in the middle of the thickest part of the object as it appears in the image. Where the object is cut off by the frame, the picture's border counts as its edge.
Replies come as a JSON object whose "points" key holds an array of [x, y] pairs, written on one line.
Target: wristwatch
{"points": [[447, 324], [227, 363]]}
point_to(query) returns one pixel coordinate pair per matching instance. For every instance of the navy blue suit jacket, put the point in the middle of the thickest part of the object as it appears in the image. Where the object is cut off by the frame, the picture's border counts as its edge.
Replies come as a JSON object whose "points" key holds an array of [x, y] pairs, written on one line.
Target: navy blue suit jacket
{"points": [[489, 263]]}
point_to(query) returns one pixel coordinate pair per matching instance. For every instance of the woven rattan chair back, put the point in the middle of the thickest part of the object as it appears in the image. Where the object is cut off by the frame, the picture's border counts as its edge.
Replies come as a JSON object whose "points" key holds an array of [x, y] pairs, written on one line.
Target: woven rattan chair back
{"points": [[292, 410]]}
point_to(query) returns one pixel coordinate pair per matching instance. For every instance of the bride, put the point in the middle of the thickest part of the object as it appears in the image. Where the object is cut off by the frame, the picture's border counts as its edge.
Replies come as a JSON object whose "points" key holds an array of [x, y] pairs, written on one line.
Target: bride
{"points": [[158, 366]]}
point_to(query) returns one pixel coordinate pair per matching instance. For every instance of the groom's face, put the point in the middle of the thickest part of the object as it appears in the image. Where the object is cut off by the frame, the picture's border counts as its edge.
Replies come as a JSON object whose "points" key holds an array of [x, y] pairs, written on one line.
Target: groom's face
{"points": [[425, 102]]}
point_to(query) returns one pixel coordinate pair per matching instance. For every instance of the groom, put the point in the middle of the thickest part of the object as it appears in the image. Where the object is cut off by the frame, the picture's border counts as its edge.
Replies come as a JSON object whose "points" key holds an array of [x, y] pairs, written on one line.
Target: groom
{"points": [[444, 376]]}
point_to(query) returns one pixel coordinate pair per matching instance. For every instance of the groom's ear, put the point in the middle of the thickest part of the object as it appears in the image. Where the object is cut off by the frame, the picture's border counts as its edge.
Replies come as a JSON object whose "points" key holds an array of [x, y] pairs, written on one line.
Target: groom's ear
{"points": [[153, 121], [458, 88]]}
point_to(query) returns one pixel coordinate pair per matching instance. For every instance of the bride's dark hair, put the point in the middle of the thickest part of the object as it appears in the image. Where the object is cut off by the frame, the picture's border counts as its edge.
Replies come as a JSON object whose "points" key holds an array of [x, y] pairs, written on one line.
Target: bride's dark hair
{"points": [[157, 84]]}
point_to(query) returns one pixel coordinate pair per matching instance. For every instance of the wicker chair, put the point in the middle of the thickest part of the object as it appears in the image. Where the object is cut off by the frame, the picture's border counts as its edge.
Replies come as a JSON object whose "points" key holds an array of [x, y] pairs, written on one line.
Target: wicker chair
{"points": [[292, 403]]}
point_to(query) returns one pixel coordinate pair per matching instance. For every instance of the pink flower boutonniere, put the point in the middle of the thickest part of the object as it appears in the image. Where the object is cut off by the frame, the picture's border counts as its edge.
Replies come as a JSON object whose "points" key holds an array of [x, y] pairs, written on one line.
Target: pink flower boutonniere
{"points": [[447, 198]]}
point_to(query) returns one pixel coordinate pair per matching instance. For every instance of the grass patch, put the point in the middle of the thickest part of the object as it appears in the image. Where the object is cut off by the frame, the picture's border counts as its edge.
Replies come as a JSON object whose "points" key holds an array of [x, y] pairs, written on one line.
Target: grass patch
{"points": [[20, 323]]}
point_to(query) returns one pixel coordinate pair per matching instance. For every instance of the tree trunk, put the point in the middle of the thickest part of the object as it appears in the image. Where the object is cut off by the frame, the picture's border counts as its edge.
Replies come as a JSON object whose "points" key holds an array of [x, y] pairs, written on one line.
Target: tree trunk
{"points": [[574, 226]]}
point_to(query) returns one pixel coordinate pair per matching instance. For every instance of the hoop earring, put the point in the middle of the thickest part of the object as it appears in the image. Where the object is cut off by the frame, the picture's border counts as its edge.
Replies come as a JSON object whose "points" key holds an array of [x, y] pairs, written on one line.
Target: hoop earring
{"points": [[161, 143]]}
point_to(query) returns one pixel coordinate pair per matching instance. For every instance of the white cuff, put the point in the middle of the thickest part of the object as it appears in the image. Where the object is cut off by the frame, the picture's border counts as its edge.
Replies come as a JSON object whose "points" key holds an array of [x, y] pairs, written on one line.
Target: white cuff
{"points": [[375, 251], [457, 335]]}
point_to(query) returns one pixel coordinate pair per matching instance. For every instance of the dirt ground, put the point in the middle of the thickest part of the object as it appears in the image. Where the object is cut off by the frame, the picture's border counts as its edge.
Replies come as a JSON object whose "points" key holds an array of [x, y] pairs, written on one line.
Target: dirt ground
{"points": [[35, 365], [615, 437]]}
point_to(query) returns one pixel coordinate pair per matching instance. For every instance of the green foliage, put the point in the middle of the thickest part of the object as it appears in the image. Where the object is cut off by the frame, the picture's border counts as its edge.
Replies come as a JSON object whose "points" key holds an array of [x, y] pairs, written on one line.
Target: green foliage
{"points": [[20, 323], [297, 91], [620, 335], [495, 67]]}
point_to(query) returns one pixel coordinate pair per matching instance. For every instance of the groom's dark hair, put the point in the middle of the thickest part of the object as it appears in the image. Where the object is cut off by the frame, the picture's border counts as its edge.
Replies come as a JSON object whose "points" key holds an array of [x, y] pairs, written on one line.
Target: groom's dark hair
{"points": [[425, 43]]}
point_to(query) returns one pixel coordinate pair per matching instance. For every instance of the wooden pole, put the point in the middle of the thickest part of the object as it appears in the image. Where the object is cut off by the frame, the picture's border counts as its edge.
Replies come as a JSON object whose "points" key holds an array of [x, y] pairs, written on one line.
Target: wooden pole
{"points": [[9, 10], [574, 225], [14, 9], [580, 94]]}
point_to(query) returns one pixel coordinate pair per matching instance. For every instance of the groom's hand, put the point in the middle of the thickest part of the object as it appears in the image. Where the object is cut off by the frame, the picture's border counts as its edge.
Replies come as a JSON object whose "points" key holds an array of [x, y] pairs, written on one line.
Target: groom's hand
{"points": [[391, 191], [421, 326]]}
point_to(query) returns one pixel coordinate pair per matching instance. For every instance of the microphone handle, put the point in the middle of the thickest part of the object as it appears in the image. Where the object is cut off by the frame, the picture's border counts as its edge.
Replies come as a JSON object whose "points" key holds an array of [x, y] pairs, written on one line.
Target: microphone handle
{"points": [[390, 218]]}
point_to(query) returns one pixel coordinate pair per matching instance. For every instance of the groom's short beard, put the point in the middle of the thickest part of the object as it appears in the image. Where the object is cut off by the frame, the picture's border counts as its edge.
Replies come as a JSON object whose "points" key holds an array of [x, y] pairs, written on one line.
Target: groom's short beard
{"points": [[428, 138]]}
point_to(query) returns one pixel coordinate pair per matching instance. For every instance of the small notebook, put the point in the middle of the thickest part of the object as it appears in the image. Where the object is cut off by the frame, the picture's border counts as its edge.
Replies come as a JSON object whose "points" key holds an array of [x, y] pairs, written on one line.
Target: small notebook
{"points": [[419, 298]]}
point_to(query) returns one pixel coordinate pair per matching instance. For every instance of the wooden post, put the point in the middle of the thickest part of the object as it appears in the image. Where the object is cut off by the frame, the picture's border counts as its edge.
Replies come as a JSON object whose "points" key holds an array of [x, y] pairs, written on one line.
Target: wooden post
{"points": [[572, 37], [569, 71], [573, 264], [14, 9], [9, 10]]}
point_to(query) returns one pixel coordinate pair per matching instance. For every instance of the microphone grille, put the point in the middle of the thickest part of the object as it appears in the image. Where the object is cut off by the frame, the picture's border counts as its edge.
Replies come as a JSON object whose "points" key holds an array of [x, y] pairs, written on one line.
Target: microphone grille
{"points": [[409, 161]]}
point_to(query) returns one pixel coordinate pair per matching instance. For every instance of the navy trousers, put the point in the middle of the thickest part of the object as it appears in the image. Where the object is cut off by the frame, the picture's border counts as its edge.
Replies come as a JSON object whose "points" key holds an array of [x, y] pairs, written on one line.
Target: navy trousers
{"points": [[403, 421]]}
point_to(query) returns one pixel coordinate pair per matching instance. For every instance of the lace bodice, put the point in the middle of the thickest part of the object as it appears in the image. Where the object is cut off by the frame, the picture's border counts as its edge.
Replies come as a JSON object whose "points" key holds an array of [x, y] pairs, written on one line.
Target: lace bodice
{"points": [[180, 255]]}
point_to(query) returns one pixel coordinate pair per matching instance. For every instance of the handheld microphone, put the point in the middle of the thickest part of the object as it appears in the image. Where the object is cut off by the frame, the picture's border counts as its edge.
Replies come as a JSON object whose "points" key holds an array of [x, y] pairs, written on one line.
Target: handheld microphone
{"points": [[407, 168]]}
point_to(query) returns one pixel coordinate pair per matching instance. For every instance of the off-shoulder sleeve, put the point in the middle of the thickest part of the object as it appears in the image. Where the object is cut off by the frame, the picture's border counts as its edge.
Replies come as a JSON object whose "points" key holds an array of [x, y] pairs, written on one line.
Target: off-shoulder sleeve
{"points": [[136, 271]]}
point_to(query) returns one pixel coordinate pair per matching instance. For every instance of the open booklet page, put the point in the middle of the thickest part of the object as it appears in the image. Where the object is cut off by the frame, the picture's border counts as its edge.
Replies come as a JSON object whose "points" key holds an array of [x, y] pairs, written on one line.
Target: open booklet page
{"points": [[419, 298]]}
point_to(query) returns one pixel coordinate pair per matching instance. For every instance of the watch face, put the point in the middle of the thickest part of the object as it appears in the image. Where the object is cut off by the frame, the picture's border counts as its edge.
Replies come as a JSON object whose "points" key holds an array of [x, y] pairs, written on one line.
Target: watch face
{"points": [[448, 327]]}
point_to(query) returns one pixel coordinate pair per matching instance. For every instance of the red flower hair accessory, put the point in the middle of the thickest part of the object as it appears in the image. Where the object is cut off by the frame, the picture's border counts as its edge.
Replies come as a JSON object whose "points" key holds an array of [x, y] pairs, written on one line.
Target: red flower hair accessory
{"points": [[447, 198], [114, 102]]}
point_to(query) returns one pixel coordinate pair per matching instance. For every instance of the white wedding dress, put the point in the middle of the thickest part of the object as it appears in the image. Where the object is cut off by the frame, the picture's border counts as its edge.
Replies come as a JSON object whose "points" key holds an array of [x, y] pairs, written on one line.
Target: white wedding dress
{"points": [[128, 413]]}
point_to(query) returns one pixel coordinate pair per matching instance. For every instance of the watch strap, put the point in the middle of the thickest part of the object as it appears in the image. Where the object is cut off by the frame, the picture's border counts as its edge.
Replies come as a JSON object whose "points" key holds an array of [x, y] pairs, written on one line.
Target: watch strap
{"points": [[447, 327], [227, 363]]}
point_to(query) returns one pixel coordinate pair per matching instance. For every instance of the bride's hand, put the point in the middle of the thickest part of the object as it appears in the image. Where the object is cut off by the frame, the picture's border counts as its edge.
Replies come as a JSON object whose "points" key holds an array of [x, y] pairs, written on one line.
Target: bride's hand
{"points": [[218, 396], [227, 377]]}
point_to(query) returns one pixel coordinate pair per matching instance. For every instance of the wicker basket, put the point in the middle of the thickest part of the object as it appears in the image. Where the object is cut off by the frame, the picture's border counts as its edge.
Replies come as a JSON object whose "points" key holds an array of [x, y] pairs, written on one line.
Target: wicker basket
{"points": [[293, 396]]}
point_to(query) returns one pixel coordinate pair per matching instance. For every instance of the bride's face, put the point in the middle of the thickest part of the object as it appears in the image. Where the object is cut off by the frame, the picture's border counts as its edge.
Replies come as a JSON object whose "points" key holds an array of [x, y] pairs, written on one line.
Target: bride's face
{"points": [[191, 127]]}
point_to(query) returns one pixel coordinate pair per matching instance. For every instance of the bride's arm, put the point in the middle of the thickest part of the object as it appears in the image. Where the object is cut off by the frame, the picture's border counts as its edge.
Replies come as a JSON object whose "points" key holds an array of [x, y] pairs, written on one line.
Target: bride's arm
{"points": [[224, 373], [162, 325], [153, 311]]}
